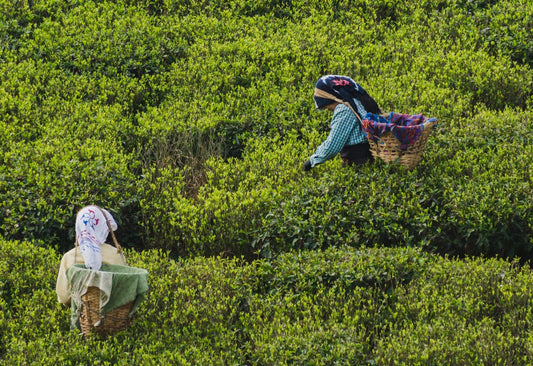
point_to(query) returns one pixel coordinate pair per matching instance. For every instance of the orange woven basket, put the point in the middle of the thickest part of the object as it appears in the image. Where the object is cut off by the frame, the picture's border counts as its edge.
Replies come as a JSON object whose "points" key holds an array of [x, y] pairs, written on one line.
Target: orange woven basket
{"points": [[387, 147], [91, 321]]}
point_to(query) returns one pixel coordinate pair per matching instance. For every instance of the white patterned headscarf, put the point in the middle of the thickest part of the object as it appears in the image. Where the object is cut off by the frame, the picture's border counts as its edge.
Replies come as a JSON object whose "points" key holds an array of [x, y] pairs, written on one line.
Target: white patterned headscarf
{"points": [[91, 232]]}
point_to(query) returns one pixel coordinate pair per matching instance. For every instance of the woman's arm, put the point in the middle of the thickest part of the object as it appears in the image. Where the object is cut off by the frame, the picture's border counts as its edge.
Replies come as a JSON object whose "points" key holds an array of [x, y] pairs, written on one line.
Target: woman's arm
{"points": [[342, 125]]}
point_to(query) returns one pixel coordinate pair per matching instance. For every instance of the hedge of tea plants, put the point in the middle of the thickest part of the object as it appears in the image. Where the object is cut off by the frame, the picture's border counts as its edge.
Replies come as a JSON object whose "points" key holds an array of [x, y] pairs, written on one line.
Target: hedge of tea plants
{"points": [[190, 121], [339, 306]]}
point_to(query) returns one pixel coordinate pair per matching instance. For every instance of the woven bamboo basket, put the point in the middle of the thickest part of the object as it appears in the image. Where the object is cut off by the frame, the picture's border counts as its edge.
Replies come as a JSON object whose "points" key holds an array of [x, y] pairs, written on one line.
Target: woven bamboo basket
{"points": [[91, 321], [387, 148]]}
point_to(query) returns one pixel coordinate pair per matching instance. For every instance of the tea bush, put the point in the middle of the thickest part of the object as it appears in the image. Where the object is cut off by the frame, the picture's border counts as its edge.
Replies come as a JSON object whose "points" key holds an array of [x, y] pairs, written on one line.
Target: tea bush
{"points": [[466, 320], [191, 119], [455, 208], [336, 306], [47, 182]]}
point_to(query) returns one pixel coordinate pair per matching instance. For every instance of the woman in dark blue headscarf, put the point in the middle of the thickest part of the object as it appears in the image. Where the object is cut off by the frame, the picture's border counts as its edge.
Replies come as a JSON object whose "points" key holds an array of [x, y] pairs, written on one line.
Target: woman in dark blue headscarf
{"points": [[349, 103]]}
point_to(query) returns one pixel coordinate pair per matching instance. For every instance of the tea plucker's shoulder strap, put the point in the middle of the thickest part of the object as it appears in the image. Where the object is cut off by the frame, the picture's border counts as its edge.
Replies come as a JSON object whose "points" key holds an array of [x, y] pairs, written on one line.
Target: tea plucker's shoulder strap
{"points": [[117, 245]]}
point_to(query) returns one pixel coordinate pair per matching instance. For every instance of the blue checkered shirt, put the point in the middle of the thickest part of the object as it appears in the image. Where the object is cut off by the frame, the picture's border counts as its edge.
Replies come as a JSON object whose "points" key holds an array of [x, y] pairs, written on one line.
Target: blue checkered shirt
{"points": [[345, 130]]}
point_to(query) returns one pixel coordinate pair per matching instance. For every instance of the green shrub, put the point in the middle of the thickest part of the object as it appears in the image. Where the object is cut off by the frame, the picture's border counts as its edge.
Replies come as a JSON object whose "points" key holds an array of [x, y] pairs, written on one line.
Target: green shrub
{"points": [[443, 324], [505, 27], [222, 216], [105, 39], [44, 184], [479, 214], [191, 120], [337, 306]]}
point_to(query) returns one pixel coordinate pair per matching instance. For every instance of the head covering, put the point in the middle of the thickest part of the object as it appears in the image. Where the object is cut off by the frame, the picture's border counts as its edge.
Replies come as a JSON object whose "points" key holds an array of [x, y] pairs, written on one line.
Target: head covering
{"points": [[342, 89], [91, 232]]}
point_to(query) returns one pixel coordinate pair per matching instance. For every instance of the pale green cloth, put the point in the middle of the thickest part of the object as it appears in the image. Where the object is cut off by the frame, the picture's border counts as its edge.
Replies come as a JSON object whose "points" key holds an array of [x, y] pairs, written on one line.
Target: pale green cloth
{"points": [[118, 285]]}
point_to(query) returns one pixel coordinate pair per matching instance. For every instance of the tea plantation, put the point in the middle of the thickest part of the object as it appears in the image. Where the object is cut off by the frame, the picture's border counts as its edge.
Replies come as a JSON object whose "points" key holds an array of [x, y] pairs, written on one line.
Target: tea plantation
{"points": [[190, 121]]}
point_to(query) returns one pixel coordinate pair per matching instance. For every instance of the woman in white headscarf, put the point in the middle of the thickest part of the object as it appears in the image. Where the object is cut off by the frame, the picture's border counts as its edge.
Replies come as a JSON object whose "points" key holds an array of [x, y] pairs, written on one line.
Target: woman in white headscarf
{"points": [[92, 228]]}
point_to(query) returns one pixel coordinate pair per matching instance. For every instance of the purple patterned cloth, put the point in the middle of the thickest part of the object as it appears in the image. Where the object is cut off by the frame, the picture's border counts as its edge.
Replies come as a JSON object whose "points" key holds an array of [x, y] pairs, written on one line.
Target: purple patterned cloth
{"points": [[406, 128]]}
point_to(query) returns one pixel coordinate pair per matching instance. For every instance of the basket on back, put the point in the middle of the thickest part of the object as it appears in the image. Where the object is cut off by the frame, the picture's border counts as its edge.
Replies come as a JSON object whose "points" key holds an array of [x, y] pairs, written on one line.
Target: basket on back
{"points": [[104, 301], [398, 137], [92, 321]]}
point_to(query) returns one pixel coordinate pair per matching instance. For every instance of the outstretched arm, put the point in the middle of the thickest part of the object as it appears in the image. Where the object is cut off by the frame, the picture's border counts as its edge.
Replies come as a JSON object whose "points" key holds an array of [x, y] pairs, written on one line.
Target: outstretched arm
{"points": [[342, 125]]}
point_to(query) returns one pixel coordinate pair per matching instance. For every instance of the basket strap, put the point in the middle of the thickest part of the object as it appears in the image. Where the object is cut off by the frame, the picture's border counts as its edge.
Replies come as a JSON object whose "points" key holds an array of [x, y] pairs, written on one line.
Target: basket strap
{"points": [[108, 222], [117, 245]]}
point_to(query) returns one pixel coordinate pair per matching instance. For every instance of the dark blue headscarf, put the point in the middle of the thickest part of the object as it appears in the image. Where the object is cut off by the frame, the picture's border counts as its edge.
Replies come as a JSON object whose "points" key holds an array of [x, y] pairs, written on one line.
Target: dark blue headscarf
{"points": [[342, 89]]}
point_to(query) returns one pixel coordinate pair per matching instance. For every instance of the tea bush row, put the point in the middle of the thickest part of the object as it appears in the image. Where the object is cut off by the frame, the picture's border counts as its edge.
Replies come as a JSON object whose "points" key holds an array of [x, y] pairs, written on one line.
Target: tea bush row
{"points": [[339, 306], [452, 202], [191, 121]]}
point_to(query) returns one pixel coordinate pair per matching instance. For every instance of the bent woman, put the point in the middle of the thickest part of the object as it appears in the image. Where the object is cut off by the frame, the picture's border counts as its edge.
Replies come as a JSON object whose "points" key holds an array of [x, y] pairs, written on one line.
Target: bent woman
{"points": [[349, 103]]}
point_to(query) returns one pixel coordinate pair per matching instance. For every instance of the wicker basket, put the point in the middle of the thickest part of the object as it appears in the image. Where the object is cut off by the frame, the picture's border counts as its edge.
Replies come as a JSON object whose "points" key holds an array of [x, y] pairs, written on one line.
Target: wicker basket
{"points": [[387, 147], [91, 321]]}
